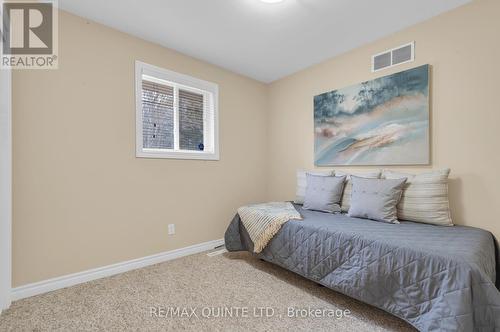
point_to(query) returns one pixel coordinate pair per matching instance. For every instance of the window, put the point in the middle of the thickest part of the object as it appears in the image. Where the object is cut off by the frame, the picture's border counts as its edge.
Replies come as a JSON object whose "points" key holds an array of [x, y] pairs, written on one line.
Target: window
{"points": [[176, 115]]}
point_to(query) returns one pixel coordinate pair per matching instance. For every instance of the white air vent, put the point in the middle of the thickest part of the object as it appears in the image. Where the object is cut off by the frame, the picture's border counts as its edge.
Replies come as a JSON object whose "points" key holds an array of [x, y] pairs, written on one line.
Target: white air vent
{"points": [[393, 57]]}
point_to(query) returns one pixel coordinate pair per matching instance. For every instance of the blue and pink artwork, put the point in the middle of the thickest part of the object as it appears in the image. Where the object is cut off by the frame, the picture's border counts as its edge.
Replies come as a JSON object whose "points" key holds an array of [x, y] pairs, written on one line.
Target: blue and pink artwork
{"points": [[380, 122]]}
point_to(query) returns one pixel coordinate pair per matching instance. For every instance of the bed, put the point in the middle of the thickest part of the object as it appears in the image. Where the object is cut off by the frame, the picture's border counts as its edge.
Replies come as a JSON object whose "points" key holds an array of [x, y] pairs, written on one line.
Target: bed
{"points": [[436, 278]]}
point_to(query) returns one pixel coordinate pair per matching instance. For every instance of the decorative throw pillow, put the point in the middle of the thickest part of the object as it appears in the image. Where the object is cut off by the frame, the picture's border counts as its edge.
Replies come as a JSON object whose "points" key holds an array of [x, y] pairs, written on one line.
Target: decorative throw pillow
{"points": [[376, 199], [323, 193], [425, 197], [301, 183], [346, 196]]}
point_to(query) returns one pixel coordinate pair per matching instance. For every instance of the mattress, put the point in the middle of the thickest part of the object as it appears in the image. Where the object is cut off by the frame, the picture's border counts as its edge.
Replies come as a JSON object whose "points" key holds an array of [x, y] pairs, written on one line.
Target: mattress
{"points": [[436, 278]]}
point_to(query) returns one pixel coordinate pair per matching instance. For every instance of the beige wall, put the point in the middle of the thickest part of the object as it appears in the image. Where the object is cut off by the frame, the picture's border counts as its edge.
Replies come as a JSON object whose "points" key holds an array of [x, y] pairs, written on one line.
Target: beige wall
{"points": [[462, 48], [81, 198]]}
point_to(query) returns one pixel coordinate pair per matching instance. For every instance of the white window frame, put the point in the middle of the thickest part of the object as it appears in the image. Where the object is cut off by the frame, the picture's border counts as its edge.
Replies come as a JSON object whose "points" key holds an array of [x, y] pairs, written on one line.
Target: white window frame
{"points": [[208, 89], [5, 188]]}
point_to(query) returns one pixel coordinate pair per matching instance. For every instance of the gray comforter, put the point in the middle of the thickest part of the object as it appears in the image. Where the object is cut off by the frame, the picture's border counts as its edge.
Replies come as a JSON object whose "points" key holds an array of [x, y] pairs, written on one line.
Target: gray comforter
{"points": [[436, 278]]}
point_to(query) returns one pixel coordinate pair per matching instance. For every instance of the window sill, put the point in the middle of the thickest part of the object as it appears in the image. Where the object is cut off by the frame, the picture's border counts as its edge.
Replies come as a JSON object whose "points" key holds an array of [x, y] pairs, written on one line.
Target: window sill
{"points": [[159, 154]]}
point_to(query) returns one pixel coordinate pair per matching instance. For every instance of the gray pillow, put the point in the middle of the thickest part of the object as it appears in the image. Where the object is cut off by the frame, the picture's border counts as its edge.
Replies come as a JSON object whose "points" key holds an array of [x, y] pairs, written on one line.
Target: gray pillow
{"points": [[376, 199], [323, 193]]}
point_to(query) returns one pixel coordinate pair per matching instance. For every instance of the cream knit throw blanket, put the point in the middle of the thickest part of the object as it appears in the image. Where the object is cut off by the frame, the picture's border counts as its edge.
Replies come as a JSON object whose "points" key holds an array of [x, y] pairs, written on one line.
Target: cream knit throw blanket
{"points": [[263, 221]]}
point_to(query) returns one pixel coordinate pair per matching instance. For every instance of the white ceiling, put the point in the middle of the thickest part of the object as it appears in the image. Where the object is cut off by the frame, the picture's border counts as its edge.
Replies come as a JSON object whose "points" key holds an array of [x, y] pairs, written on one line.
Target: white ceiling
{"points": [[262, 41]]}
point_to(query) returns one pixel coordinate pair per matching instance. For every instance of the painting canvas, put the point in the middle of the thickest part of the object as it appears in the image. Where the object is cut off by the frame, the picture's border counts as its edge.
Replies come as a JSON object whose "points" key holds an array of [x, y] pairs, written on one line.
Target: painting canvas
{"points": [[380, 122]]}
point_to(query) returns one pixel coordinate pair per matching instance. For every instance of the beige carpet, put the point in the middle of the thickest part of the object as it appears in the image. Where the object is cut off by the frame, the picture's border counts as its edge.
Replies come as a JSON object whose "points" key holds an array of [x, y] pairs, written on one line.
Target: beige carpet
{"points": [[231, 280]]}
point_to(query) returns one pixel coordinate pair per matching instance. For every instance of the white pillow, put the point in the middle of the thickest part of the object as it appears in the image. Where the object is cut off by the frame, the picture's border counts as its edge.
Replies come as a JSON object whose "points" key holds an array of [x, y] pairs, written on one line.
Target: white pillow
{"points": [[346, 196], [300, 192], [425, 197]]}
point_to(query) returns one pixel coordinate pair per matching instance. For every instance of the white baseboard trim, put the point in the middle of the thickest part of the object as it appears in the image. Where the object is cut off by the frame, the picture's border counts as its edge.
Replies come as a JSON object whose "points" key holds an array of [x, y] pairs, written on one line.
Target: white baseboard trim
{"points": [[49, 285]]}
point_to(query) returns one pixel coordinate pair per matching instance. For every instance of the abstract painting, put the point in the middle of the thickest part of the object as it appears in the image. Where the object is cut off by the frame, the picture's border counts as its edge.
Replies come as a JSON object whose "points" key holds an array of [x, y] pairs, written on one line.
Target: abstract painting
{"points": [[380, 122]]}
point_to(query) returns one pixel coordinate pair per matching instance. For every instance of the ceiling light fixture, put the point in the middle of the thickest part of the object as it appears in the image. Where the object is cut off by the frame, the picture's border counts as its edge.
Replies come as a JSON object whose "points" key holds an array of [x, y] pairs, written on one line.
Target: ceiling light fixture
{"points": [[271, 1]]}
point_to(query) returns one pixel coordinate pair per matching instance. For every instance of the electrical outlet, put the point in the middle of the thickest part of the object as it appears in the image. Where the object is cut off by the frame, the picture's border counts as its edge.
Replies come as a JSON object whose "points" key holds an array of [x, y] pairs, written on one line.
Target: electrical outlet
{"points": [[171, 229]]}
